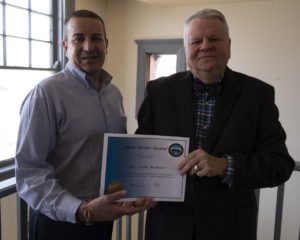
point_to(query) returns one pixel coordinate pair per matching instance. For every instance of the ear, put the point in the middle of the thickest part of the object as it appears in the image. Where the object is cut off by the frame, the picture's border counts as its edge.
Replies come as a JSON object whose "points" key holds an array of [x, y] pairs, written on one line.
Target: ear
{"points": [[106, 41], [65, 47], [229, 47]]}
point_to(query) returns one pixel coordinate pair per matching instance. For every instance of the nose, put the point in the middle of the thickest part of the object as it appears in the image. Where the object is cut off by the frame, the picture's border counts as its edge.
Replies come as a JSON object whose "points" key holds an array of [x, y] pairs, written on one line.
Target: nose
{"points": [[88, 45], [206, 44]]}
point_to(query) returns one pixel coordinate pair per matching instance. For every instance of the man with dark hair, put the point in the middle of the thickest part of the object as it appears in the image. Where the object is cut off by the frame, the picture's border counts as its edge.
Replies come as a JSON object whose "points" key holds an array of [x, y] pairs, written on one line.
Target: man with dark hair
{"points": [[59, 148], [237, 143]]}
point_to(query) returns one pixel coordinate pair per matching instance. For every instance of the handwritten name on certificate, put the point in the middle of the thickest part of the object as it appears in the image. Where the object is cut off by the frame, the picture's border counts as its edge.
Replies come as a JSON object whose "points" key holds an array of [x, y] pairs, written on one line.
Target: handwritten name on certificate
{"points": [[144, 165]]}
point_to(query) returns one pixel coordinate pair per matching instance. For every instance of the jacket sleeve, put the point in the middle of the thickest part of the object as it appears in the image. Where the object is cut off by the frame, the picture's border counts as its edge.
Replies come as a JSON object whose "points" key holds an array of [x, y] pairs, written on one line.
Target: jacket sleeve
{"points": [[269, 164]]}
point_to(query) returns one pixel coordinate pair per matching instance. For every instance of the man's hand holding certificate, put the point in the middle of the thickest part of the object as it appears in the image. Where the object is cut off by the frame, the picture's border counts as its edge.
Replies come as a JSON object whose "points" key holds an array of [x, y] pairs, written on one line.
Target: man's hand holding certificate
{"points": [[144, 166]]}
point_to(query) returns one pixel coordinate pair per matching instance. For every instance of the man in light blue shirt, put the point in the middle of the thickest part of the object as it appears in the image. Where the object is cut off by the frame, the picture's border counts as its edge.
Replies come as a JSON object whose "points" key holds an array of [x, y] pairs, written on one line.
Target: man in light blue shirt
{"points": [[59, 148]]}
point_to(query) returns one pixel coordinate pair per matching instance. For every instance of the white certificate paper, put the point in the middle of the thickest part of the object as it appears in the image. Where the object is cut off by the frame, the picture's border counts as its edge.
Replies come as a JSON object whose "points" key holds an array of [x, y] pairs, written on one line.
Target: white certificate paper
{"points": [[144, 165]]}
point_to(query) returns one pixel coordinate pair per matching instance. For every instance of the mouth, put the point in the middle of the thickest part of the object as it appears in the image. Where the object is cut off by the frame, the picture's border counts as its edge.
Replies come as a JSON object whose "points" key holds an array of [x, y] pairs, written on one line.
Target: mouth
{"points": [[208, 56], [89, 57]]}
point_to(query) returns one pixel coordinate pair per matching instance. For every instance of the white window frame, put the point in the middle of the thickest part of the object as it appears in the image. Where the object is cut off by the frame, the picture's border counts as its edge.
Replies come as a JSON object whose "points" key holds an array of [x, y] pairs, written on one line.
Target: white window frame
{"points": [[155, 46]]}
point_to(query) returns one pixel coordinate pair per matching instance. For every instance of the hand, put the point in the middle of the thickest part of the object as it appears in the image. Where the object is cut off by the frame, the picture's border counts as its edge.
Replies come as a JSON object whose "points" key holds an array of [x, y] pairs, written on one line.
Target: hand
{"points": [[105, 208], [140, 202], [202, 164]]}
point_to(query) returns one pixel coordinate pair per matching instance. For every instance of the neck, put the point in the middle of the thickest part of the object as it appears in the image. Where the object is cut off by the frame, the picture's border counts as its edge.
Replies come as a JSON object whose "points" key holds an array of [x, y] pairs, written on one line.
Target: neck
{"points": [[208, 77]]}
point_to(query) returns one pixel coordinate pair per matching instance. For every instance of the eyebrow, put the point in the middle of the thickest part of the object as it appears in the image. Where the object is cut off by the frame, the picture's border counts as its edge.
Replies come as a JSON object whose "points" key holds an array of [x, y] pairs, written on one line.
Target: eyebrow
{"points": [[81, 34], [77, 34]]}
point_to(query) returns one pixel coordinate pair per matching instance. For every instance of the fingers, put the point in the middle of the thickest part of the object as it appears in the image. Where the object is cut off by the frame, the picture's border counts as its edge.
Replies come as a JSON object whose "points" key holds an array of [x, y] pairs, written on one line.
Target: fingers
{"points": [[130, 208], [113, 197], [133, 210], [105, 208], [195, 169], [191, 160], [187, 163], [202, 164], [211, 166], [127, 204], [146, 202], [140, 203], [203, 172]]}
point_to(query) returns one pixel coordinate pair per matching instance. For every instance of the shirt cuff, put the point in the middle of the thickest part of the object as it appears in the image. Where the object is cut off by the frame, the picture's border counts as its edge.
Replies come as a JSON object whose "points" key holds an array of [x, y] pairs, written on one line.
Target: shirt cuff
{"points": [[228, 179]]}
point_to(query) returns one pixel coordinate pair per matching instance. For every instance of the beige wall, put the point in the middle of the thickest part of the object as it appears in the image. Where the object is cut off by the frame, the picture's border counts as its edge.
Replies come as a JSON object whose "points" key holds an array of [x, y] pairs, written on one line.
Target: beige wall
{"points": [[265, 44], [98, 6], [9, 217]]}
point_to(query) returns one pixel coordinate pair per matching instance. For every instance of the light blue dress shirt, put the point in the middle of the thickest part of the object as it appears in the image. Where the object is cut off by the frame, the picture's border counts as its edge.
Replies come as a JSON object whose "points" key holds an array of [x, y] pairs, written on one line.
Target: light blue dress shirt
{"points": [[59, 147]]}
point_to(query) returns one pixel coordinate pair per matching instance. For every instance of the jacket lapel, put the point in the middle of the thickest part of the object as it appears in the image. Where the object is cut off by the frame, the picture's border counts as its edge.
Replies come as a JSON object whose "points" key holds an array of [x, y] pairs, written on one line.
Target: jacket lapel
{"points": [[224, 105], [183, 92]]}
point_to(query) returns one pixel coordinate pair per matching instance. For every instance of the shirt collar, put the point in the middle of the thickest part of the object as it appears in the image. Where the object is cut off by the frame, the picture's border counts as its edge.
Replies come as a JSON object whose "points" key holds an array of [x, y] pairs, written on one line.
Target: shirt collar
{"points": [[213, 89], [85, 79], [218, 80]]}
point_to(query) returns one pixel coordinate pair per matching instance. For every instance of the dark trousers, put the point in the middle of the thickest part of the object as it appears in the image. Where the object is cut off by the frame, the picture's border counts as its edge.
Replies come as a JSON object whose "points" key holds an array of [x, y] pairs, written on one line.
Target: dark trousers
{"points": [[42, 227]]}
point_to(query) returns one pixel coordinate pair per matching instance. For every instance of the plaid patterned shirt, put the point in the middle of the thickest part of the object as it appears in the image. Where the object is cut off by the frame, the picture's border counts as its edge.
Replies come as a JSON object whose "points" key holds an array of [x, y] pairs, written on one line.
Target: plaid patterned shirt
{"points": [[204, 105], [204, 102]]}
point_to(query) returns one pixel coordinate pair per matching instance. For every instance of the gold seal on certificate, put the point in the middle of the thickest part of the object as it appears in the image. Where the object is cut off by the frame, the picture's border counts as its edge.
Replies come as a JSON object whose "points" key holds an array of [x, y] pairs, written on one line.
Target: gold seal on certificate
{"points": [[143, 165], [114, 186]]}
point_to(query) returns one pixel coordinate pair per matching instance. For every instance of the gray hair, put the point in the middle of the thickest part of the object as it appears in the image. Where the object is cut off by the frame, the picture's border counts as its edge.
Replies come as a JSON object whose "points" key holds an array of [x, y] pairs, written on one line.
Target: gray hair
{"points": [[209, 13]]}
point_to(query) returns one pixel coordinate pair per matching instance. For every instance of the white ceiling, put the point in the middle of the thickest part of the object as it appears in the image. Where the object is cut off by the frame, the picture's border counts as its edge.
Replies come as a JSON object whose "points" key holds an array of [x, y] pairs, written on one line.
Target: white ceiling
{"points": [[170, 3]]}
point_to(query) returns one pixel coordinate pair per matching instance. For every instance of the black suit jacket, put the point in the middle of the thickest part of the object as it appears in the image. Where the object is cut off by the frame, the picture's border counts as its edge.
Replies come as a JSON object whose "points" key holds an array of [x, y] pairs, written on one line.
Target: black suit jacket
{"points": [[246, 126]]}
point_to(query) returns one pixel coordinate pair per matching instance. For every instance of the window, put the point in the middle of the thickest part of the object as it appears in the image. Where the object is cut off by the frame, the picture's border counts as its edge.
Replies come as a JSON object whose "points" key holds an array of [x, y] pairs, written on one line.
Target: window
{"points": [[157, 58], [161, 65], [30, 50], [30, 44]]}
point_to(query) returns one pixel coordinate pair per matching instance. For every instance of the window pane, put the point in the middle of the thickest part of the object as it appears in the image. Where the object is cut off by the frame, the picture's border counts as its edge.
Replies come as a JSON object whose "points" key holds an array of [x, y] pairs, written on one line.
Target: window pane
{"points": [[41, 27], [16, 22], [162, 65], [17, 52], [41, 6], [41, 54], [20, 3], [1, 29], [14, 86], [1, 51]]}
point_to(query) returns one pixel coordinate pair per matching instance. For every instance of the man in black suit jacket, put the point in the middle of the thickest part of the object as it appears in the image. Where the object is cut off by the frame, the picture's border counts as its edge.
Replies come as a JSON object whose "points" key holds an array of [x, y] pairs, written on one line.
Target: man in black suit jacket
{"points": [[237, 143]]}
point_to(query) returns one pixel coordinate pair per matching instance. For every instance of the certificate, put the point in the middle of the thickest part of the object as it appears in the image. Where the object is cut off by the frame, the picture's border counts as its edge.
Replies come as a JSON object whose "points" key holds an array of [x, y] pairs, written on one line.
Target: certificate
{"points": [[143, 165]]}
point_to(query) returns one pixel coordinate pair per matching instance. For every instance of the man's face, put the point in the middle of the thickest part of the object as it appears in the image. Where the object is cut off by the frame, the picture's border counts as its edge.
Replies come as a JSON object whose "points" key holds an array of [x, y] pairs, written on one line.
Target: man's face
{"points": [[207, 46], [86, 44]]}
